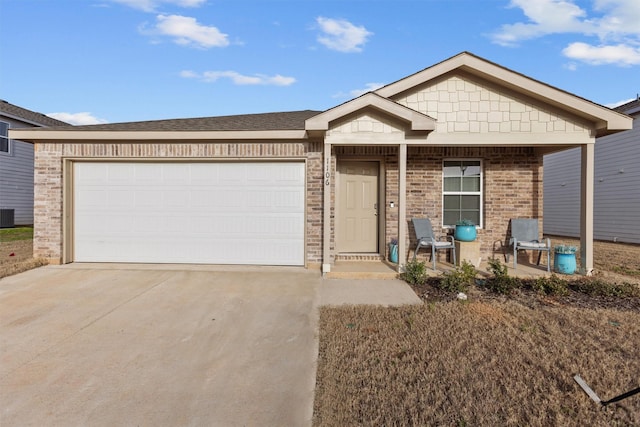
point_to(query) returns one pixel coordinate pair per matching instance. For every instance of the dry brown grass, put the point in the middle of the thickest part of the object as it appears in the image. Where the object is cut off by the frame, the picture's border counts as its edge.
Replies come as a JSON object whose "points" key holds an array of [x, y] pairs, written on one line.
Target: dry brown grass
{"points": [[21, 260], [494, 362]]}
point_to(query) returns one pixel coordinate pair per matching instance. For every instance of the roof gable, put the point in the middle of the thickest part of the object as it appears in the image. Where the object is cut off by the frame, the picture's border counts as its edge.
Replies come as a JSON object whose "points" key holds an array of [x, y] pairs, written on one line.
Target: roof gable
{"points": [[416, 120], [604, 119]]}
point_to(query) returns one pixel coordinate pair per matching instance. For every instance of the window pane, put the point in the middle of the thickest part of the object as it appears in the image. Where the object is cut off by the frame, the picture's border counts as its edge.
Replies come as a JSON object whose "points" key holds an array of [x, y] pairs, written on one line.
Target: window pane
{"points": [[471, 168], [452, 169], [473, 216], [452, 184], [452, 202], [450, 217], [470, 202], [4, 145], [471, 183], [4, 129]]}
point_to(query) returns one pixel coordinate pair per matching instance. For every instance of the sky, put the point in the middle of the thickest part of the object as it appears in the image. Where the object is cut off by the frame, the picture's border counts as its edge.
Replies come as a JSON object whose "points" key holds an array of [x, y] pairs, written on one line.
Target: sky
{"points": [[108, 61]]}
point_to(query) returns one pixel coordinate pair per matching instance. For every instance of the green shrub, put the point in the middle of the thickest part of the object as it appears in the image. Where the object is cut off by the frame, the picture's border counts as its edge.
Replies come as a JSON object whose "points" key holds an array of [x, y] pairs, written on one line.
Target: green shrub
{"points": [[552, 285], [497, 268], [415, 273], [459, 279], [501, 282], [597, 287]]}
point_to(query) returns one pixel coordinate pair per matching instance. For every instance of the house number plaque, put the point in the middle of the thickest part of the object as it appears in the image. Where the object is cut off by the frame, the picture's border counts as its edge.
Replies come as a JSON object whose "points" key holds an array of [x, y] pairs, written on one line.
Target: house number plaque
{"points": [[327, 174]]}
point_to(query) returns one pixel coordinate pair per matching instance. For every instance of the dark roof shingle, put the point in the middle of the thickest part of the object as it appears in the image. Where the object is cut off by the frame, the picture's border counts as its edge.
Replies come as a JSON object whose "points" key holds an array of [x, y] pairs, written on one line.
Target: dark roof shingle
{"points": [[293, 120], [28, 115]]}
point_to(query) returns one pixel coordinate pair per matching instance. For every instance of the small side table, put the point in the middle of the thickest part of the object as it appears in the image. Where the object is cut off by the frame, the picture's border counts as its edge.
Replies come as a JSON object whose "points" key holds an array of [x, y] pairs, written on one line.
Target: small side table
{"points": [[468, 251]]}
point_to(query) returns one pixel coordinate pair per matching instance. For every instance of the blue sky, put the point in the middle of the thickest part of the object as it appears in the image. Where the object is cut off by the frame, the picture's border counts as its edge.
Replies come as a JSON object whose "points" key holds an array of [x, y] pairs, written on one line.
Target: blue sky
{"points": [[106, 61]]}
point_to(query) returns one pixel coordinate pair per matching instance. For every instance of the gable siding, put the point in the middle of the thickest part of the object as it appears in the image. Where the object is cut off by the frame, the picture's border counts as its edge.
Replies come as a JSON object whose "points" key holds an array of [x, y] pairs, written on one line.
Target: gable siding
{"points": [[462, 104], [616, 189]]}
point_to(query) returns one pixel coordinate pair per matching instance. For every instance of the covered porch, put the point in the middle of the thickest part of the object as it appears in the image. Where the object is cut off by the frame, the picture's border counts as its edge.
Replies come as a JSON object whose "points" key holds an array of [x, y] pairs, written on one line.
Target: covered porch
{"points": [[385, 270], [464, 113]]}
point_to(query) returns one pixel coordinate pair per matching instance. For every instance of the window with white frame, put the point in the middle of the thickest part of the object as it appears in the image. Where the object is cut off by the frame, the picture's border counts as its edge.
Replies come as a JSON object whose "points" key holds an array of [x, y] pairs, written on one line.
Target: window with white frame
{"points": [[5, 146], [461, 191]]}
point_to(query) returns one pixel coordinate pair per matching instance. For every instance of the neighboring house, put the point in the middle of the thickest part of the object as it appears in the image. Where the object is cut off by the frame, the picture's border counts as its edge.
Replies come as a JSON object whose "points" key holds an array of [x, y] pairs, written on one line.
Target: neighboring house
{"points": [[463, 138], [16, 161], [616, 210]]}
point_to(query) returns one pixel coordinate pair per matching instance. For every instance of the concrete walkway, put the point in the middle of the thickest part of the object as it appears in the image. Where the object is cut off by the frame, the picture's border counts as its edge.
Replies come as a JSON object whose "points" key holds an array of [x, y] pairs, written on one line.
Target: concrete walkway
{"points": [[95, 345]]}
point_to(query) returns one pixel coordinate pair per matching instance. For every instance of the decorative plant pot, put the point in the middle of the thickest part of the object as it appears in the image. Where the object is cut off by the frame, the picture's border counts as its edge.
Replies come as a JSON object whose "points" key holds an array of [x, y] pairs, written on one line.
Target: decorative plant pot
{"points": [[465, 233], [564, 263], [393, 253]]}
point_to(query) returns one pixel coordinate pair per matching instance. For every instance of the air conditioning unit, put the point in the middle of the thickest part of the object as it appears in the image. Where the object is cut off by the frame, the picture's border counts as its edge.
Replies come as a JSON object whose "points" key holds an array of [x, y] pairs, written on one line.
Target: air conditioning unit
{"points": [[7, 218]]}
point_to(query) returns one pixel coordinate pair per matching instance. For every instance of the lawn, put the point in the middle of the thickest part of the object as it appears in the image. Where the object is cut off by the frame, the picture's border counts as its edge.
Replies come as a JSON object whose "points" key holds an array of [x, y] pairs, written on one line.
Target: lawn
{"points": [[16, 251], [493, 359]]}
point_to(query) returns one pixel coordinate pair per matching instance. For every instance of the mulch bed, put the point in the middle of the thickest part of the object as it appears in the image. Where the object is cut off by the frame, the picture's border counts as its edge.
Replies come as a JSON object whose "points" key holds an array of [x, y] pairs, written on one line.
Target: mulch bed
{"points": [[431, 294]]}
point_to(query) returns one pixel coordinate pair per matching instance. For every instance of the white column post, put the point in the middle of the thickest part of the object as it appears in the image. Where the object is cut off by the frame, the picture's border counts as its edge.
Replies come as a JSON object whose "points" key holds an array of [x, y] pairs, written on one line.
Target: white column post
{"points": [[402, 206], [586, 208], [327, 180]]}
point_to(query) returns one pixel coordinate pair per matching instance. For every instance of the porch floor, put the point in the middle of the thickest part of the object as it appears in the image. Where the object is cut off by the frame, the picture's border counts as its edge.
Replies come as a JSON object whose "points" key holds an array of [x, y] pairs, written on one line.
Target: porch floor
{"points": [[386, 270]]}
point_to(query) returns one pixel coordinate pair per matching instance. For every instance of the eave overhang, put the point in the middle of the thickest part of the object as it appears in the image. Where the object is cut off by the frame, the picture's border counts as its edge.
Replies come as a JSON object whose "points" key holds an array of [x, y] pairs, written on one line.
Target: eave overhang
{"points": [[417, 121], [45, 135]]}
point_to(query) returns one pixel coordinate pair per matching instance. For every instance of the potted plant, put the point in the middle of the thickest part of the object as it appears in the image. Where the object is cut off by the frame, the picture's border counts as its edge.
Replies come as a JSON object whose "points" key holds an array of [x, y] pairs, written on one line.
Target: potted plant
{"points": [[564, 259], [465, 231], [393, 250]]}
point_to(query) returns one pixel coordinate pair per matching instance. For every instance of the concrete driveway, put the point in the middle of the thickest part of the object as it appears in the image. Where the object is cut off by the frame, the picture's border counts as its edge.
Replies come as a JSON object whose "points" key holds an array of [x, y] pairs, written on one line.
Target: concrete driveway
{"points": [[137, 346]]}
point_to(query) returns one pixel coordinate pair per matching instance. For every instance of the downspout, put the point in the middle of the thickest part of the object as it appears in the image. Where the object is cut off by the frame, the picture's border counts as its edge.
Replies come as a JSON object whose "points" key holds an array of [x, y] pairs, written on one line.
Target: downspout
{"points": [[586, 208]]}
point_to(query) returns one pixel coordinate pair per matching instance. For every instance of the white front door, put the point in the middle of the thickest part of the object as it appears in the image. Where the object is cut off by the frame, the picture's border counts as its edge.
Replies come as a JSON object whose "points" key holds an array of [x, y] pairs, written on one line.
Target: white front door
{"points": [[357, 208], [208, 213]]}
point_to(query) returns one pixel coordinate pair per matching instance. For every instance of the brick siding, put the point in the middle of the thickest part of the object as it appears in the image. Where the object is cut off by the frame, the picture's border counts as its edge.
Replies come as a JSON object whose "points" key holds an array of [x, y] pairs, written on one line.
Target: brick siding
{"points": [[48, 180], [512, 188]]}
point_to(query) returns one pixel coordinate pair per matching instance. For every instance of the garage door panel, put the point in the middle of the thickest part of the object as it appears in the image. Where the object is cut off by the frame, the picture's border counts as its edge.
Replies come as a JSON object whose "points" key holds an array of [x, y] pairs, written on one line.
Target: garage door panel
{"points": [[235, 213]]}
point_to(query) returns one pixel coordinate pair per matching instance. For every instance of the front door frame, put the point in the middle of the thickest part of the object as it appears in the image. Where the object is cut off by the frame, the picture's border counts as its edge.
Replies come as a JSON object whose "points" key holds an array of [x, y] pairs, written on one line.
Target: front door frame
{"points": [[382, 212]]}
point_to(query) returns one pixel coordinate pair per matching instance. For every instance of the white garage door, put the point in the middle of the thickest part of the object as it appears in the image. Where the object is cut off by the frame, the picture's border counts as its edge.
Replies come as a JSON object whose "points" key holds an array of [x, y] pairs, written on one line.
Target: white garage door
{"points": [[207, 213]]}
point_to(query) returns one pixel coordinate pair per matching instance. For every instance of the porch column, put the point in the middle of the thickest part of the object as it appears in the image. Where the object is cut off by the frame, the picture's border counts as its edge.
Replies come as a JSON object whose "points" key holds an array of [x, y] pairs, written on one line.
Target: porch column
{"points": [[402, 208], [586, 208], [327, 179]]}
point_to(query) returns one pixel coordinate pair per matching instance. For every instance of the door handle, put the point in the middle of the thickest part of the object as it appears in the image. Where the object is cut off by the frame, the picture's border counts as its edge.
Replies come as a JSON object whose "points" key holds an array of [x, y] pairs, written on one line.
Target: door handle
{"points": [[375, 209]]}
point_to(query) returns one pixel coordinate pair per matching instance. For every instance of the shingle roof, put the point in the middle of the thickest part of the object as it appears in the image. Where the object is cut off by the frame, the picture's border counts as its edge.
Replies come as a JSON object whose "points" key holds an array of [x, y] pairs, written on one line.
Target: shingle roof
{"points": [[293, 120], [29, 116], [628, 106]]}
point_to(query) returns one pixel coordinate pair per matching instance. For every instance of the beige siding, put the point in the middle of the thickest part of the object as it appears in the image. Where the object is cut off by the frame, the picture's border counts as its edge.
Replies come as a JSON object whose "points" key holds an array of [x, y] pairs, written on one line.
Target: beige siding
{"points": [[465, 105]]}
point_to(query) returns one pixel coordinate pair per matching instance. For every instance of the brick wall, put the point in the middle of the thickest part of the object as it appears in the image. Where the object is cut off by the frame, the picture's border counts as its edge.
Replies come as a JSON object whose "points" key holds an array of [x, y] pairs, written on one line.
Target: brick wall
{"points": [[512, 185], [512, 188], [48, 180]]}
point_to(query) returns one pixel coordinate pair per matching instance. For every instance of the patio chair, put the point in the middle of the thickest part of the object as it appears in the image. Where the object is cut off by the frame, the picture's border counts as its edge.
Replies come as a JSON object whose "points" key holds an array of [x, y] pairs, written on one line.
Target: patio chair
{"points": [[524, 235], [426, 238]]}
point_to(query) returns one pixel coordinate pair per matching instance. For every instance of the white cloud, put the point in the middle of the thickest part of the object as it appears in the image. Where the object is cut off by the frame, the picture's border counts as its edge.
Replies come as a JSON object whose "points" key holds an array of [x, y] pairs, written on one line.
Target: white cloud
{"points": [[342, 35], [545, 17], [619, 103], [615, 23], [188, 32], [240, 79], [369, 87], [152, 5], [84, 118], [597, 55]]}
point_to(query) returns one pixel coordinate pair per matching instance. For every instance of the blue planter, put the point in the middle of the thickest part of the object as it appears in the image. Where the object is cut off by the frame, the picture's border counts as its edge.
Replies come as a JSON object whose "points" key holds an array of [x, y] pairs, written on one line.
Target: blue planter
{"points": [[465, 233], [564, 263], [393, 253]]}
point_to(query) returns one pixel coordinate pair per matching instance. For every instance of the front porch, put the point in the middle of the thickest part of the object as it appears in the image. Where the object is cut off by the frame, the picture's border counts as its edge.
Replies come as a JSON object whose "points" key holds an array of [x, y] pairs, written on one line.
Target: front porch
{"points": [[385, 270]]}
